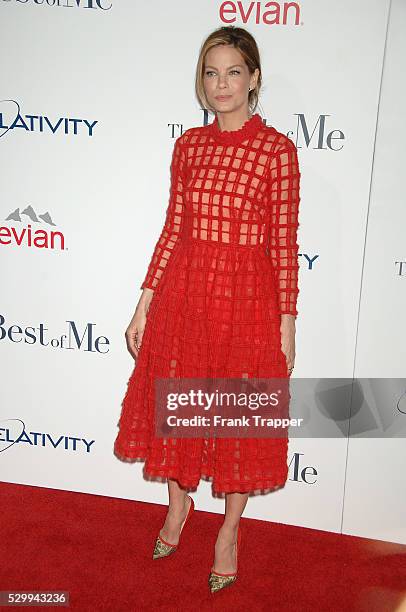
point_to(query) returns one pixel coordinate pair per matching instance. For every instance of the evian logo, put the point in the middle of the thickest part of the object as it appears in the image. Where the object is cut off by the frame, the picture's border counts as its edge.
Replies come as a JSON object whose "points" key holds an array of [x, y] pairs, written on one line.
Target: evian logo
{"points": [[268, 13], [41, 238]]}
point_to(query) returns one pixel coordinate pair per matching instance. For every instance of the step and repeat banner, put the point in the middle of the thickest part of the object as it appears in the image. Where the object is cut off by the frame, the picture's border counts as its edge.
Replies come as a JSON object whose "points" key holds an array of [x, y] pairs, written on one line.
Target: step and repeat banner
{"points": [[93, 95]]}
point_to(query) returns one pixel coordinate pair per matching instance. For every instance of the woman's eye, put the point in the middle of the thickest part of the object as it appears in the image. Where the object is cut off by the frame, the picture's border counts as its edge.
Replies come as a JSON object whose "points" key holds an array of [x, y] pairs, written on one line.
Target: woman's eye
{"points": [[211, 72]]}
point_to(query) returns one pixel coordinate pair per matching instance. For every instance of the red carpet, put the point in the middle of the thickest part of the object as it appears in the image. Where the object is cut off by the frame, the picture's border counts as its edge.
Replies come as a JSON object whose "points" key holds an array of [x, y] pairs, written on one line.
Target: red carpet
{"points": [[99, 549]]}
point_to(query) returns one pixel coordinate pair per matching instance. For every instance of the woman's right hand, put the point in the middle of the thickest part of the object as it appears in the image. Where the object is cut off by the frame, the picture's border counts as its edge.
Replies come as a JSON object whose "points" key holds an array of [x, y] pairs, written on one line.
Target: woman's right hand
{"points": [[135, 330]]}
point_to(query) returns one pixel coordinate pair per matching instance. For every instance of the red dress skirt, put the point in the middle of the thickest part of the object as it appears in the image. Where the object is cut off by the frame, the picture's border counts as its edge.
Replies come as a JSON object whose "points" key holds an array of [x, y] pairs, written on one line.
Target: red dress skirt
{"points": [[215, 313]]}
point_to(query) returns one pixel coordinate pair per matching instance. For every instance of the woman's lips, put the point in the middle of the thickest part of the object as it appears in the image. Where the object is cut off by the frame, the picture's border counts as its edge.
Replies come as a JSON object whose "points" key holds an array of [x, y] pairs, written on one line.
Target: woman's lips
{"points": [[221, 98]]}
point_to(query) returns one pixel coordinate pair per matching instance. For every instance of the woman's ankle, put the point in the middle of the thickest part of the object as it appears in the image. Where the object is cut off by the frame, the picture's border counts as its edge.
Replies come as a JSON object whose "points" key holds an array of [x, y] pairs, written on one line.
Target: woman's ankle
{"points": [[228, 531], [177, 507]]}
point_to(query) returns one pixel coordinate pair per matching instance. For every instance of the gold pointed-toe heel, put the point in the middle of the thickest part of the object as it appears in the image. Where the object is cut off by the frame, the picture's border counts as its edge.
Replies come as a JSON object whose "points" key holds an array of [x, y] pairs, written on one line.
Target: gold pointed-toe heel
{"points": [[163, 548], [218, 581]]}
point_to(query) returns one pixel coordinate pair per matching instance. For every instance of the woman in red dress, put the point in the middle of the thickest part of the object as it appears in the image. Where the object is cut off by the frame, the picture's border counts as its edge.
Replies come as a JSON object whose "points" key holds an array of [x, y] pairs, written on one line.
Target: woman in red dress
{"points": [[219, 297]]}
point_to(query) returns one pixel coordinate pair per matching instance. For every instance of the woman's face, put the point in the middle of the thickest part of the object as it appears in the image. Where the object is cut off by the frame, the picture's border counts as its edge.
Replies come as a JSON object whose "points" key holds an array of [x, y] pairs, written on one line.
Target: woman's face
{"points": [[226, 79]]}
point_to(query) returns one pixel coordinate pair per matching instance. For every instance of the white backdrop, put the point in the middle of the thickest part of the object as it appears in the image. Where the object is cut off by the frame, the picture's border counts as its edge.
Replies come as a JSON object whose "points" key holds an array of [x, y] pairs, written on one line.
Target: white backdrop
{"points": [[93, 96]]}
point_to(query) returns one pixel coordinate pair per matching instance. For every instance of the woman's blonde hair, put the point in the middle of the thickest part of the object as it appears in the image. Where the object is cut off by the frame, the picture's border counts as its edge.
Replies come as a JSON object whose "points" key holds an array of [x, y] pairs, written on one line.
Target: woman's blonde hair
{"points": [[245, 43]]}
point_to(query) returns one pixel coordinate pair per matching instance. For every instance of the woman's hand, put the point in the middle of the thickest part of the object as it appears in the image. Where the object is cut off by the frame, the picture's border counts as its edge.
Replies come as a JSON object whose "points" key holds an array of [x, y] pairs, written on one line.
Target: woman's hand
{"points": [[288, 332], [135, 330]]}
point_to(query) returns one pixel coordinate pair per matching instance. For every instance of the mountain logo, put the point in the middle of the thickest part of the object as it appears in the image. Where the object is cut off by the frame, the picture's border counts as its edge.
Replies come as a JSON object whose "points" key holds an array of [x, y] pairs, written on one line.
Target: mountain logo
{"points": [[30, 236]]}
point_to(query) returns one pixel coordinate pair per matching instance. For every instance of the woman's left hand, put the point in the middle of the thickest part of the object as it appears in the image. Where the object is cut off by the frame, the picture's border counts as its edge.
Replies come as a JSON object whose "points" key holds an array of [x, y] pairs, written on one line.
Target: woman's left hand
{"points": [[288, 333]]}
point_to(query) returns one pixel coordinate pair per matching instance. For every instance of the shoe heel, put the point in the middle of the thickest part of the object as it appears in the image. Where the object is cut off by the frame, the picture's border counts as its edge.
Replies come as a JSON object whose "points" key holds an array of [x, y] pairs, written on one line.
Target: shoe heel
{"points": [[163, 548]]}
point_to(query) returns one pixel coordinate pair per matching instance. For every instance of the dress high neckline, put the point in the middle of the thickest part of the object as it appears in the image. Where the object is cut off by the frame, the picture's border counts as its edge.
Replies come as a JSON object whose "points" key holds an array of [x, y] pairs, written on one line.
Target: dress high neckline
{"points": [[249, 129]]}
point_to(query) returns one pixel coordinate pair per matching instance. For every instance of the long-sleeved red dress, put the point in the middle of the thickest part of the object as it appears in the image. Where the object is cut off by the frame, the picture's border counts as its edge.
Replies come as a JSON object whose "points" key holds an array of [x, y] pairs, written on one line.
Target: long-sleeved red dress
{"points": [[223, 270]]}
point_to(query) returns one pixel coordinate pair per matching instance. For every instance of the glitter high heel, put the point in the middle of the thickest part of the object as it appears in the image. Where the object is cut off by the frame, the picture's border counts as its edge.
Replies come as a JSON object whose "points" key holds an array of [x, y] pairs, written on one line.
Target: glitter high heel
{"points": [[162, 548], [218, 581]]}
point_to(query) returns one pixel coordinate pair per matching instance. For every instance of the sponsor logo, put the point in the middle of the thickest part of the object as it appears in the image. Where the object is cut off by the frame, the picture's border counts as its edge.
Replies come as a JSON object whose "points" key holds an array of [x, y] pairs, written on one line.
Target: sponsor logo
{"points": [[11, 118], [14, 432], [256, 13], [43, 237]]}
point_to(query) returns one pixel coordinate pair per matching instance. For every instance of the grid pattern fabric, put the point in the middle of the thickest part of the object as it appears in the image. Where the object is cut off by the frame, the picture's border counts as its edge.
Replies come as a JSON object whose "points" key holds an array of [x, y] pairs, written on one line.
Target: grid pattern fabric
{"points": [[224, 269]]}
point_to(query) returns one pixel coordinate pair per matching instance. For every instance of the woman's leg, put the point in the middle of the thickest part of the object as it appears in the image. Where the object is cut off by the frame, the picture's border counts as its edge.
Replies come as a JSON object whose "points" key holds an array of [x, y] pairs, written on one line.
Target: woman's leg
{"points": [[224, 560], [177, 511]]}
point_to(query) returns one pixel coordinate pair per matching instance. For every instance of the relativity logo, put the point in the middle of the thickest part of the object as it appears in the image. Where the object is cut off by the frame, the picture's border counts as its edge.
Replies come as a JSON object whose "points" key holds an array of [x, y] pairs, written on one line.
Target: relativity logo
{"points": [[14, 432], [83, 338], [104, 5], [44, 237], [266, 13], [11, 118]]}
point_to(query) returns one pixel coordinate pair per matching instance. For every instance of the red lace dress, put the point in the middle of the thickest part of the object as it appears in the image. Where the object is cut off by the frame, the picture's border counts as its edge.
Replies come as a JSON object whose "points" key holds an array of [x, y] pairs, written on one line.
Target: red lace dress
{"points": [[224, 269]]}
